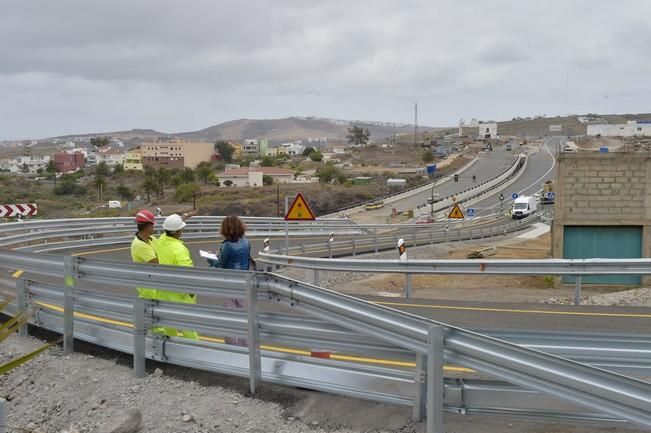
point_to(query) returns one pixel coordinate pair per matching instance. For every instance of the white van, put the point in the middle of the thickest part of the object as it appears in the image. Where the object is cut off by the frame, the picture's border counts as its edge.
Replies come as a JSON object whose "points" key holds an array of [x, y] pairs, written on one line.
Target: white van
{"points": [[114, 204], [523, 207]]}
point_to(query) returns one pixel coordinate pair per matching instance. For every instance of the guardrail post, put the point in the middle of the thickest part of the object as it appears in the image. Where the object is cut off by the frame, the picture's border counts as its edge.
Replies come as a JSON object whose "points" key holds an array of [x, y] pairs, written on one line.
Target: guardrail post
{"points": [[409, 285], [435, 387], [375, 242], [21, 299], [420, 376], [414, 239], [3, 415], [255, 365], [302, 250], [330, 250], [316, 277], [139, 334], [431, 237], [577, 290], [69, 266], [354, 247]]}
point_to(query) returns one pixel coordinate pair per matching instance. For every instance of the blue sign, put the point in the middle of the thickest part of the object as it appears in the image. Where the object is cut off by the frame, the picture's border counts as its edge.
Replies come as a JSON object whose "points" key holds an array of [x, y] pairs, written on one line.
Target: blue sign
{"points": [[470, 212], [514, 195], [551, 195], [431, 169]]}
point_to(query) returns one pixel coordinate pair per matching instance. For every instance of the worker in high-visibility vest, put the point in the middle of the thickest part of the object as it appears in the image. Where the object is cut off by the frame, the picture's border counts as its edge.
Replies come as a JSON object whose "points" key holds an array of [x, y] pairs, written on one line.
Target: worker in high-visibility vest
{"points": [[143, 250], [170, 250], [143, 246]]}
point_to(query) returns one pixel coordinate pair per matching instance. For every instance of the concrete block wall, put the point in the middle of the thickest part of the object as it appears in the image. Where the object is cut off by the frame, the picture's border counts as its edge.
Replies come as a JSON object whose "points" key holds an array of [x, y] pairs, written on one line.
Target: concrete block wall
{"points": [[595, 189]]}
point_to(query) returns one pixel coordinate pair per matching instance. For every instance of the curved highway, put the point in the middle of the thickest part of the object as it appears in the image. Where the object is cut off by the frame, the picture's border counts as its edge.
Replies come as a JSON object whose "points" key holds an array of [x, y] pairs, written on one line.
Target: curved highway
{"points": [[488, 165], [541, 166]]}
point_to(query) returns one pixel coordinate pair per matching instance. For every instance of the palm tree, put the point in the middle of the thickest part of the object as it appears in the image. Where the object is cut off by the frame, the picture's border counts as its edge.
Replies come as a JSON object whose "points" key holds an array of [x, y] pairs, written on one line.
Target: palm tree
{"points": [[100, 184], [203, 173], [163, 176], [150, 184]]}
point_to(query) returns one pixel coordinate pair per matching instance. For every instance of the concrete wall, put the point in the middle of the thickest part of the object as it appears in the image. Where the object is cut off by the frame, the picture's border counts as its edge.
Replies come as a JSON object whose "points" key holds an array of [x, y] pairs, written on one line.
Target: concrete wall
{"points": [[602, 189]]}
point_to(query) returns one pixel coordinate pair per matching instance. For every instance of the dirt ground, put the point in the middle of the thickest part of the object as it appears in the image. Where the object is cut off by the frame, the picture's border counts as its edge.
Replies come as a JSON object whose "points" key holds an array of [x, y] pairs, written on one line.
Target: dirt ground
{"points": [[497, 288]]}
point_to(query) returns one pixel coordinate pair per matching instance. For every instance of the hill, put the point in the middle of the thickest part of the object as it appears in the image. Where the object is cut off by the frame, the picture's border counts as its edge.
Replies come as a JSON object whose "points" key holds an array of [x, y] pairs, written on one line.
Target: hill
{"points": [[276, 130], [570, 124]]}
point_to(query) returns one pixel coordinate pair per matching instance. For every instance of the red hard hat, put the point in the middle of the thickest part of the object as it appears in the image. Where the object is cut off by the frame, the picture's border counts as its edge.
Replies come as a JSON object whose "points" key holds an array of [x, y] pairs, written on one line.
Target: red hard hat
{"points": [[144, 216]]}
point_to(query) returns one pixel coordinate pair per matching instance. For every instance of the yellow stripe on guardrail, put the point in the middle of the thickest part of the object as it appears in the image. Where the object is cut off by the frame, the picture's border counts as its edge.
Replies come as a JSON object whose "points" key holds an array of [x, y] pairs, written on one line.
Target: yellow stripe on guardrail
{"points": [[335, 356]]}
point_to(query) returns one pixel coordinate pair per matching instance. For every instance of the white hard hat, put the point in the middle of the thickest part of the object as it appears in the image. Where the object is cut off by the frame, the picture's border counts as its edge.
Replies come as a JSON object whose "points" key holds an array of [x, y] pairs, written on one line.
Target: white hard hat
{"points": [[173, 223]]}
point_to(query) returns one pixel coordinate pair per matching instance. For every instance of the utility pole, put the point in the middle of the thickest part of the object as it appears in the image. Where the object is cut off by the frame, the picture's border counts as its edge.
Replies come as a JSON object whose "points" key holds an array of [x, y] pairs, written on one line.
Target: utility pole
{"points": [[415, 124]]}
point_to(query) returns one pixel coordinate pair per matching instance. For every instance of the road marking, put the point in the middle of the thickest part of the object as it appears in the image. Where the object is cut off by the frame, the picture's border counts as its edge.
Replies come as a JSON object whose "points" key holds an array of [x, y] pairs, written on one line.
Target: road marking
{"points": [[515, 310], [18, 273], [536, 182]]}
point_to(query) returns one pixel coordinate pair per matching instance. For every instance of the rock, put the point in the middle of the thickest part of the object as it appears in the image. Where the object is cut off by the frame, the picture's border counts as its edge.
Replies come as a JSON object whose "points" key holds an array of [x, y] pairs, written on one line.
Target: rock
{"points": [[128, 423], [291, 418], [187, 418], [315, 423], [158, 372]]}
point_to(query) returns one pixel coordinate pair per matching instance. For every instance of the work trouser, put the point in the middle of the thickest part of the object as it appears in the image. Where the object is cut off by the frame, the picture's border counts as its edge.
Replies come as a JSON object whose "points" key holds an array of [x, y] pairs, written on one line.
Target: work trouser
{"points": [[169, 296]]}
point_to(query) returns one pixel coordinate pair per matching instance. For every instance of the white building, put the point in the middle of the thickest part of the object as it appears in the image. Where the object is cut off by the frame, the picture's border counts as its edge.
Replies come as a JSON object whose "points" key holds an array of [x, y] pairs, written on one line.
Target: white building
{"points": [[293, 149], [110, 157], [488, 130], [25, 164], [247, 176], [628, 129]]}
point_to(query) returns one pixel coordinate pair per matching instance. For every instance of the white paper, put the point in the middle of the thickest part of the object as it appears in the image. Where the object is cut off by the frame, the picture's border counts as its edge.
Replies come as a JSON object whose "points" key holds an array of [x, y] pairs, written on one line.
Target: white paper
{"points": [[208, 255]]}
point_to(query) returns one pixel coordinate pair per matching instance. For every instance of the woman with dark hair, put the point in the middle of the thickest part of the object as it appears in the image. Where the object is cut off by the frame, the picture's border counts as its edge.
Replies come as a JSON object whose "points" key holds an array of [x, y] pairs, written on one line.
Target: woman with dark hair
{"points": [[235, 252]]}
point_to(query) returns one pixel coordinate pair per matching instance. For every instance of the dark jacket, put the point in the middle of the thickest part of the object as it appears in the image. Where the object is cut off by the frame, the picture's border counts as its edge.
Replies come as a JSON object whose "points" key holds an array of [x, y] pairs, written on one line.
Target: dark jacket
{"points": [[233, 255]]}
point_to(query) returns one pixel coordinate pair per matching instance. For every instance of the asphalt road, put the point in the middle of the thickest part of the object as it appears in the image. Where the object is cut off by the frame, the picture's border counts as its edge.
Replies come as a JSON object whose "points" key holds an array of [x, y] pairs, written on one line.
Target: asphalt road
{"points": [[489, 165], [541, 166]]}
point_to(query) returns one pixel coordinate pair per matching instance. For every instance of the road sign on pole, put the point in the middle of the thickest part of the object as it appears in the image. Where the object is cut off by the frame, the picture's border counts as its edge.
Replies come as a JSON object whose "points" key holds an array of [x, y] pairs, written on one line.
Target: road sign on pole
{"points": [[551, 195], [299, 210], [456, 213], [470, 212], [514, 195]]}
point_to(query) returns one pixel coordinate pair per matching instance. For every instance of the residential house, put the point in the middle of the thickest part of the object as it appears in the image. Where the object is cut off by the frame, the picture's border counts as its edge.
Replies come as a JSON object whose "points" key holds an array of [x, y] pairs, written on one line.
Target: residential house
{"points": [[24, 164], [66, 162], [110, 157], [252, 176], [133, 160], [176, 153]]}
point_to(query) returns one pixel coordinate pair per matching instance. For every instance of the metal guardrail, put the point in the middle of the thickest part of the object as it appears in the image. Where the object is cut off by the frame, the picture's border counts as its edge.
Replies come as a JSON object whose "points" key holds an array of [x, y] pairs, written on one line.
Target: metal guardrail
{"points": [[606, 395]]}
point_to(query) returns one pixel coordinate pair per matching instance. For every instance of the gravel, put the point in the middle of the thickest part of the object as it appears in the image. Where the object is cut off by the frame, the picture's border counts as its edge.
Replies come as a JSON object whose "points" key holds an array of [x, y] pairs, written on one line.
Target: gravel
{"points": [[640, 297], [86, 393]]}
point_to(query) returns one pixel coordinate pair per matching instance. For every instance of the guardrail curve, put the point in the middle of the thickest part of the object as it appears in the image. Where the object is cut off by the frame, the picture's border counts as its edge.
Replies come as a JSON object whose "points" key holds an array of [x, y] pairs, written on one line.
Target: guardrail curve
{"points": [[80, 298]]}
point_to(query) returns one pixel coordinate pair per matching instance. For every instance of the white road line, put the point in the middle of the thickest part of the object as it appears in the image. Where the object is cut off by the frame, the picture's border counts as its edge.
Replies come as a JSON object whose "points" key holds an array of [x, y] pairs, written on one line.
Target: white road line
{"points": [[537, 181]]}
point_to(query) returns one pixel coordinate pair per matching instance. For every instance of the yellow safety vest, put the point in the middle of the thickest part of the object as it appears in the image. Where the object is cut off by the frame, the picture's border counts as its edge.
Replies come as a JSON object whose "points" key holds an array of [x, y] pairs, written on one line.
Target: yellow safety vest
{"points": [[170, 251]]}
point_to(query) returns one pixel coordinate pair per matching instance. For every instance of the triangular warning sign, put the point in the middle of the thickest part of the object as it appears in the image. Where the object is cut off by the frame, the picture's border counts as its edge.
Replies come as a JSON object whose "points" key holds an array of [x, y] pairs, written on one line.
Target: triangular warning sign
{"points": [[299, 210], [456, 212]]}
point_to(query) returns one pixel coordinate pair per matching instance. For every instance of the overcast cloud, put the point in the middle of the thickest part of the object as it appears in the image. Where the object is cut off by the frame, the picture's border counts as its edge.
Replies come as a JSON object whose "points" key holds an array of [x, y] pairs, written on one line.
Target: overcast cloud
{"points": [[71, 66]]}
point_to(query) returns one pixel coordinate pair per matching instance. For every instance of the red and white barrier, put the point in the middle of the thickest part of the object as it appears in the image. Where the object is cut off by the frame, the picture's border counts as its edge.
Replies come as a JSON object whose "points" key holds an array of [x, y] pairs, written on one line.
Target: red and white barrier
{"points": [[13, 210]]}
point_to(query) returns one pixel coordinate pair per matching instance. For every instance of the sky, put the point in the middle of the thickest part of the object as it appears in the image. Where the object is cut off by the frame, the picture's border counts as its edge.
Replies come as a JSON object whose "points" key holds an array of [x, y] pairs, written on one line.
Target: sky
{"points": [[78, 66]]}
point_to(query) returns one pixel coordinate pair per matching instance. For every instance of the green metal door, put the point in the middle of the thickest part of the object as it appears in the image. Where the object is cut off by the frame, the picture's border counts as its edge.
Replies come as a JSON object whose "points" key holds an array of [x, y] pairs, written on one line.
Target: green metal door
{"points": [[583, 242]]}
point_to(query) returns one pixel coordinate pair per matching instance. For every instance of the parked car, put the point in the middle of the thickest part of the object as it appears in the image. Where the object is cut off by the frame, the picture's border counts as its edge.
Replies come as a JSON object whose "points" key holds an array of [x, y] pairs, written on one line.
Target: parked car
{"points": [[424, 219], [509, 147]]}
